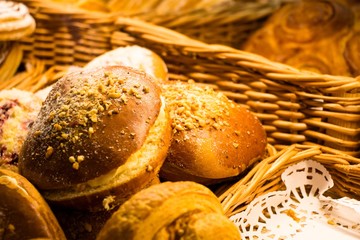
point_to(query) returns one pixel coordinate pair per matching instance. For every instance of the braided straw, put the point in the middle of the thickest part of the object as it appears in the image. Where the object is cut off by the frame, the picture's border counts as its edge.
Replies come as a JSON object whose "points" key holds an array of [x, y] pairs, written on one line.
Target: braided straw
{"points": [[266, 175], [35, 76], [294, 106], [10, 63], [227, 22]]}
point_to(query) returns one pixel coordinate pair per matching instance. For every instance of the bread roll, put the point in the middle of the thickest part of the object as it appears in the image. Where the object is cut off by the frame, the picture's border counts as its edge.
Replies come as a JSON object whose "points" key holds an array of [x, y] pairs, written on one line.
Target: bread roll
{"points": [[170, 210], [18, 110], [24, 213], [100, 136], [136, 57], [213, 138], [319, 36]]}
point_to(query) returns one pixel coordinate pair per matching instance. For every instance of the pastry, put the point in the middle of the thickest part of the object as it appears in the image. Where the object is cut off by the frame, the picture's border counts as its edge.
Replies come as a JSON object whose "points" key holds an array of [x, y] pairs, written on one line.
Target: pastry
{"points": [[136, 57], [213, 138], [319, 36], [170, 210], [18, 110], [101, 136], [24, 214]]}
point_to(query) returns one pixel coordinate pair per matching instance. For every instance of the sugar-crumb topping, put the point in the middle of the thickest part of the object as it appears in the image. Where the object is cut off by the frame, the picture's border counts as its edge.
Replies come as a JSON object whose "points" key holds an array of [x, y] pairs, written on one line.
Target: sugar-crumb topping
{"points": [[192, 106]]}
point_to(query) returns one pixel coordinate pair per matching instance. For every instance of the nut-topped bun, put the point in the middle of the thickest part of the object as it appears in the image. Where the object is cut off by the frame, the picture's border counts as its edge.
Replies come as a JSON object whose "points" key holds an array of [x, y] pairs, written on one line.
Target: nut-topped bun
{"points": [[170, 210], [213, 138], [24, 213], [136, 57], [100, 136]]}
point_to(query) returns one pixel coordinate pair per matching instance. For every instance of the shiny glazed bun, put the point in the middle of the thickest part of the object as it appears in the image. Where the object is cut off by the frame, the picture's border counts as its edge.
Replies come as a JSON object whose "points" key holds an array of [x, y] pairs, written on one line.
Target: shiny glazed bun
{"points": [[137, 57], [24, 214], [319, 36], [170, 210], [213, 138], [100, 136]]}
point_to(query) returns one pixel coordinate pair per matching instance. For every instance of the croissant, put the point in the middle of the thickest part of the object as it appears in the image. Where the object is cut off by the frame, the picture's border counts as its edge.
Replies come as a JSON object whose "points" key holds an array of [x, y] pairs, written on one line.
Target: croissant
{"points": [[320, 36], [170, 210], [24, 214]]}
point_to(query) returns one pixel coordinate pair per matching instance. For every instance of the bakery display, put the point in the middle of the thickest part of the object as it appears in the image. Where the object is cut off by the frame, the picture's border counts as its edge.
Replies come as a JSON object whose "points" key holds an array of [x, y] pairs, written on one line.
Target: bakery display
{"points": [[170, 210], [320, 36], [18, 110], [136, 57], [213, 138], [24, 214], [101, 136]]}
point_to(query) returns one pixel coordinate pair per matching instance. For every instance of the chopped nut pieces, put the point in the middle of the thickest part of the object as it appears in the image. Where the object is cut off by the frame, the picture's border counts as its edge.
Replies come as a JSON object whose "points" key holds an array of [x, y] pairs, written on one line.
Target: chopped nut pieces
{"points": [[49, 151], [80, 108]]}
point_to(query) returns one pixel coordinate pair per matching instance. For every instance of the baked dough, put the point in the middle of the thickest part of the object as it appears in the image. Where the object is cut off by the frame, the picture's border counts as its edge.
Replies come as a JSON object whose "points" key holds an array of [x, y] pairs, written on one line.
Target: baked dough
{"points": [[101, 136], [318, 36], [170, 210], [213, 138]]}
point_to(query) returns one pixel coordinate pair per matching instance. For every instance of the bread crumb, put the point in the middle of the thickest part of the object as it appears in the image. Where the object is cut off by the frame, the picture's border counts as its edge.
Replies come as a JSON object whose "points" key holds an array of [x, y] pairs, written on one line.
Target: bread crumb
{"points": [[57, 126], [88, 227], [149, 168], [291, 213], [108, 202], [331, 222], [11, 227]]}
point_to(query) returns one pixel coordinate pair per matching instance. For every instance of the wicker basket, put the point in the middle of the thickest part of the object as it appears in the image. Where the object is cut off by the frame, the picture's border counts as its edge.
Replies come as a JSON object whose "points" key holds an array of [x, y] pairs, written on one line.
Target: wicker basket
{"points": [[227, 22], [306, 115]]}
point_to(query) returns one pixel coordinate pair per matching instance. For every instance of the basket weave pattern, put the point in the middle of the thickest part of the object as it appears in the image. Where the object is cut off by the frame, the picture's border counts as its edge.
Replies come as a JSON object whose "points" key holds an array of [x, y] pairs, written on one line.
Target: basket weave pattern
{"points": [[305, 114]]}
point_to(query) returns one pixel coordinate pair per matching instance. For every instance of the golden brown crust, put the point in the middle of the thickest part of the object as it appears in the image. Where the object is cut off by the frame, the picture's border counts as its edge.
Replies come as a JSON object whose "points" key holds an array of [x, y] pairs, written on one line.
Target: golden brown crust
{"points": [[213, 138], [24, 214], [134, 56], [92, 121], [311, 35], [105, 159], [206, 226], [169, 210]]}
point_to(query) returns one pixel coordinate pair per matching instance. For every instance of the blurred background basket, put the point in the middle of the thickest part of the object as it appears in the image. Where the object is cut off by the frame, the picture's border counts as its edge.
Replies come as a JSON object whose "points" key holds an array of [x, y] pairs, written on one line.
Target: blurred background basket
{"points": [[305, 114]]}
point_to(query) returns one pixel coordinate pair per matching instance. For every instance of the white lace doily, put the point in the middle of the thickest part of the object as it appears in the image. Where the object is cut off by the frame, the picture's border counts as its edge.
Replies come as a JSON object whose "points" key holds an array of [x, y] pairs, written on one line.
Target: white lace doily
{"points": [[301, 211]]}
